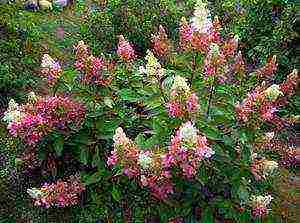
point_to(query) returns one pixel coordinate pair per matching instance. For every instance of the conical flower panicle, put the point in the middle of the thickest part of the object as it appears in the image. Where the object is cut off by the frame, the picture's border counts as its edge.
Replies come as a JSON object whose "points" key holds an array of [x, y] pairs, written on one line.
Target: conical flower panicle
{"points": [[125, 50], [161, 43], [50, 69], [34, 120], [93, 70], [260, 205], [182, 100], [58, 194]]}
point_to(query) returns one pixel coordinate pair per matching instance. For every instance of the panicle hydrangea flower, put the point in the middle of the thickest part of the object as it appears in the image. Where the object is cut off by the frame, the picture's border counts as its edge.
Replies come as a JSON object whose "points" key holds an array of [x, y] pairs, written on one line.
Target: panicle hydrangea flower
{"points": [[201, 32], [214, 35], [239, 64], [186, 33], [262, 168], [260, 205], [263, 103], [94, 70], [145, 160], [58, 194], [200, 42], [180, 84], [31, 128], [188, 132], [187, 149], [175, 109], [120, 138], [50, 69], [81, 50], [248, 105], [125, 153], [113, 158], [161, 43], [32, 121], [286, 151], [125, 50], [153, 169], [267, 111], [182, 99], [222, 60], [153, 68], [268, 69], [192, 103], [60, 112], [201, 21], [288, 87], [13, 113], [229, 48], [214, 62], [144, 165]]}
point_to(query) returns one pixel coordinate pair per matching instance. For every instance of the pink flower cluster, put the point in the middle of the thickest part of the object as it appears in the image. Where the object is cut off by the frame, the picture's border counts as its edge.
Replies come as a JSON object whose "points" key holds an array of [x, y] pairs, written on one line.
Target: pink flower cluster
{"points": [[58, 194], [144, 165], [50, 69], [268, 69], [31, 128], [222, 59], [194, 39], [178, 109], [125, 50], [263, 103], [182, 101], [44, 115], [94, 70], [289, 86], [161, 44], [187, 149], [260, 205], [153, 169], [249, 104]]}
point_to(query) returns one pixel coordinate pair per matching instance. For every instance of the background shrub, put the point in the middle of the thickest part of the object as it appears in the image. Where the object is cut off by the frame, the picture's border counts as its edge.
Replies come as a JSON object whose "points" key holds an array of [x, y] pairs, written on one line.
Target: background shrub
{"points": [[265, 27]]}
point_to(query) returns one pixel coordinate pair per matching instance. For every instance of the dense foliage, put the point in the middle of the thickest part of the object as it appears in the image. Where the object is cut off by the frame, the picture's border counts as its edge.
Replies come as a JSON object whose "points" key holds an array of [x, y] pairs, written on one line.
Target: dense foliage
{"points": [[149, 118]]}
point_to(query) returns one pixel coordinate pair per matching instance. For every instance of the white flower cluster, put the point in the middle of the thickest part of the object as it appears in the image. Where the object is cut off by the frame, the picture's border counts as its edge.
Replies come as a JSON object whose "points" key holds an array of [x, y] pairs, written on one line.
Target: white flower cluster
{"points": [[153, 67], [260, 201], [201, 21], [120, 137], [273, 92], [13, 113], [188, 132], [269, 167], [145, 160], [180, 84]]}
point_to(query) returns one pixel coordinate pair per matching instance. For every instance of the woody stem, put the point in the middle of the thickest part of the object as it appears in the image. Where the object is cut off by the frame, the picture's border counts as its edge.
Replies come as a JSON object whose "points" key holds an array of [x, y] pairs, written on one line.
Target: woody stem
{"points": [[212, 89]]}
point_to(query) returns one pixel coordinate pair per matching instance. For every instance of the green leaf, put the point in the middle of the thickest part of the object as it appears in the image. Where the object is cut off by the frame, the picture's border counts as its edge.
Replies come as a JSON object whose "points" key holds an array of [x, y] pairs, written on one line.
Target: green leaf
{"points": [[59, 145], [84, 155], [116, 194], [129, 95], [140, 140], [208, 216], [245, 216], [154, 103], [211, 133], [91, 179]]}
